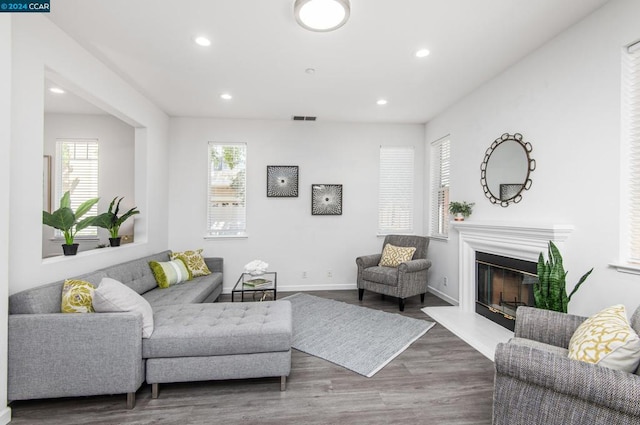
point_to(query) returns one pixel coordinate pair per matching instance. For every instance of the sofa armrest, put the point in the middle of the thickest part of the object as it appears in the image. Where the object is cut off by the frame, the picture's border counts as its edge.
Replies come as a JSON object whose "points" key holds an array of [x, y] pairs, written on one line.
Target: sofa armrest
{"points": [[74, 354], [215, 264], [366, 261], [414, 265], [550, 327], [609, 388]]}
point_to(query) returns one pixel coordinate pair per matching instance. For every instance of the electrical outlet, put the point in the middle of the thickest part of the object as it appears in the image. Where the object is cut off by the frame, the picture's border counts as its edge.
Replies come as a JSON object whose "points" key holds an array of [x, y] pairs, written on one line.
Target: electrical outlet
{"points": [[329, 274], [304, 275], [445, 281]]}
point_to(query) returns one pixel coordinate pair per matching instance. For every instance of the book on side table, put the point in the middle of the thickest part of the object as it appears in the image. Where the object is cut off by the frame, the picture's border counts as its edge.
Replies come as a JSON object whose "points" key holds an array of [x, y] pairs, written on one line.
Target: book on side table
{"points": [[257, 283]]}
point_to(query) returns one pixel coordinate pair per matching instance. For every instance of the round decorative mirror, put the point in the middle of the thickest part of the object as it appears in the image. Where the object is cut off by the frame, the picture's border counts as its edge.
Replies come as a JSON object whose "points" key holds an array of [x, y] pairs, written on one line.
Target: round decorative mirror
{"points": [[505, 170]]}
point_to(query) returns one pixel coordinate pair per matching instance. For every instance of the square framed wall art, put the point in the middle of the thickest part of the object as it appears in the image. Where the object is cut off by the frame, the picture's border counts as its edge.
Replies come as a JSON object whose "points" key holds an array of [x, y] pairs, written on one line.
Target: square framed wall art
{"points": [[326, 199], [282, 181]]}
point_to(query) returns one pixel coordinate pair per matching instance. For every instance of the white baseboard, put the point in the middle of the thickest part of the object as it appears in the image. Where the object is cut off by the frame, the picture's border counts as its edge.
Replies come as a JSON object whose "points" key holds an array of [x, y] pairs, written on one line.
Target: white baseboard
{"points": [[318, 287], [5, 416], [442, 295], [311, 287]]}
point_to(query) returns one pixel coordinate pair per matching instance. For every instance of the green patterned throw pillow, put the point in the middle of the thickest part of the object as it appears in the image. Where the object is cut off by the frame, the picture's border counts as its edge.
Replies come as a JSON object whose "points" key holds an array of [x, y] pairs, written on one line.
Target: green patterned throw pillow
{"points": [[393, 256], [169, 273], [77, 296], [194, 261]]}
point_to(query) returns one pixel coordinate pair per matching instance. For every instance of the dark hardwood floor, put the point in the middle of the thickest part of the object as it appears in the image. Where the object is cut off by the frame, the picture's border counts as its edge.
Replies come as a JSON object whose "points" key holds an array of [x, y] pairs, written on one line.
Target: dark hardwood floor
{"points": [[439, 379]]}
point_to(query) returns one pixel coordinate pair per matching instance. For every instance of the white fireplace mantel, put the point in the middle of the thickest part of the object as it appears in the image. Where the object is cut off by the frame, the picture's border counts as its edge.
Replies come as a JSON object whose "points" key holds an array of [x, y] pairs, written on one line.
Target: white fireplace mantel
{"points": [[515, 240]]}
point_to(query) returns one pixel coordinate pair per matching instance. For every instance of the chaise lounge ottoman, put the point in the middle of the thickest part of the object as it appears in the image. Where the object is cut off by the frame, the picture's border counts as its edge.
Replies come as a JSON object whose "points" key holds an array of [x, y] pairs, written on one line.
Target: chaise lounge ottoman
{"points": [[199, 342]]}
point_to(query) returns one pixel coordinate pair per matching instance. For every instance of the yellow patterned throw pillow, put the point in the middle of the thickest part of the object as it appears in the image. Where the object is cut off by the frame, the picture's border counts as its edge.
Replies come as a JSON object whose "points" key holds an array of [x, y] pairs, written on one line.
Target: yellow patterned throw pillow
{"points": [[194, 260], [77, 296], [393, 256], [608, 340], [169, 273]]}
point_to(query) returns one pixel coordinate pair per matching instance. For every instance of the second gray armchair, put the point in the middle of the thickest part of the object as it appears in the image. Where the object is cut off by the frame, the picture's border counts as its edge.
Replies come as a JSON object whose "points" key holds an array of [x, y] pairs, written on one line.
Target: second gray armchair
{"points": [[408, 279]]}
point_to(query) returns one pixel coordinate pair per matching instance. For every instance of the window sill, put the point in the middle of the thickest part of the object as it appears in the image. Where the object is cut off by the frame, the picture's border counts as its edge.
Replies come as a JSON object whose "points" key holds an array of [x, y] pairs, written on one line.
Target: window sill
{"points": [[77, 239], [439, 238], [626, 267], [214, 237]]}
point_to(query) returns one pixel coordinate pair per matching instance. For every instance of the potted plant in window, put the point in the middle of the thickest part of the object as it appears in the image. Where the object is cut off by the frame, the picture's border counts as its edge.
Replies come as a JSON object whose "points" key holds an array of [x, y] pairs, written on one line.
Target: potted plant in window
{"points": [[461, 210], [68, 221], [110, 220]]}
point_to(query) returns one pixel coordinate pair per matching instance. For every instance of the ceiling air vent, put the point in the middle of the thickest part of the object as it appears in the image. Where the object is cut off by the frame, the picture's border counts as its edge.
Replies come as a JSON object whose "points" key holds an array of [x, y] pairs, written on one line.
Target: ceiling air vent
{"points": [[303, 118]]}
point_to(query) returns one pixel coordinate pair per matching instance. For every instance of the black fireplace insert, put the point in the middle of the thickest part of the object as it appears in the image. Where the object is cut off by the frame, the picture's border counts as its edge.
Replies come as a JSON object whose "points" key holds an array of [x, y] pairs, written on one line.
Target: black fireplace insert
{"points": [[502, 285]]}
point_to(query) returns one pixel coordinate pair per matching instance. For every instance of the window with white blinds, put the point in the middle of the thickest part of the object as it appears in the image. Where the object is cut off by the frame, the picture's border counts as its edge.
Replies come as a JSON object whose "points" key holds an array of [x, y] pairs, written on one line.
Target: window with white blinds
{"points": [[395, 192], [631, 117], [77, 172], [227, 209], [440, 155]]}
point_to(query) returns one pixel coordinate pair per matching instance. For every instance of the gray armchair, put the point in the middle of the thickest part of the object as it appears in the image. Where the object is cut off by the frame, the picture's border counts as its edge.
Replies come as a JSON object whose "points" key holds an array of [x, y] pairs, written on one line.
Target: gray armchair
{"points": [[536, 383], [404, 281]]}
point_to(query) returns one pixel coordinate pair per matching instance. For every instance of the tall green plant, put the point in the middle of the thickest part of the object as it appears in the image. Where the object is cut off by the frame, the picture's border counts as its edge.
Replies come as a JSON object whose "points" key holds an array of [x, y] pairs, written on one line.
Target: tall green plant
{"points": [[110, 220], [68, 221], [550, 292]]}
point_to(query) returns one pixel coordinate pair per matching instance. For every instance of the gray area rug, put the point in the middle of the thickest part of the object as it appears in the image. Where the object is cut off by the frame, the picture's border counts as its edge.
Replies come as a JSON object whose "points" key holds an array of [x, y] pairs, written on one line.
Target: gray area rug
{"points": [[357, 338]]}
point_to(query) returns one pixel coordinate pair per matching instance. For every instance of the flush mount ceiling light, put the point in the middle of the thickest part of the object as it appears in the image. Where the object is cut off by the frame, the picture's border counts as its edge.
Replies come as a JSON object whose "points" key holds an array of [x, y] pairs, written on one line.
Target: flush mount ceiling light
{"points": [[422, 53], [226, 96], [321, 15], [382, 102], [202, 41], [56, 90]]}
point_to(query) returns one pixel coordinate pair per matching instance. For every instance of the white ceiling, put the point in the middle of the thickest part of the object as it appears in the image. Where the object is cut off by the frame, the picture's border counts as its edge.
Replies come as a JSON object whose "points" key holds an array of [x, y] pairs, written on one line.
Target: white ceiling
{"points": [[259, 54]]}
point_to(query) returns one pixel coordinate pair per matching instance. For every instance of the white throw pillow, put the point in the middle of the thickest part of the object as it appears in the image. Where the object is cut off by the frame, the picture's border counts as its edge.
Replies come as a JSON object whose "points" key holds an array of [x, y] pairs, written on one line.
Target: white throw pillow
{"points": [[112, 296]]}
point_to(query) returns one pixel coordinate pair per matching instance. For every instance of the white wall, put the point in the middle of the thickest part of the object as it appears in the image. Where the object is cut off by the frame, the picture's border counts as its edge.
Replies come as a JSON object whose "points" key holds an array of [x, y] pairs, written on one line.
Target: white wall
{"points": [[116, 167], [282, 231], [36, 44], [565, 99], [5, 137]]}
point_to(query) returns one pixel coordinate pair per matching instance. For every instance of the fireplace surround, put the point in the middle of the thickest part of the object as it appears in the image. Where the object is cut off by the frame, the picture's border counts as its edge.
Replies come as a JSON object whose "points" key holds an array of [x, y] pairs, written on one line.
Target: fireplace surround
{"points": [[522, 241]]}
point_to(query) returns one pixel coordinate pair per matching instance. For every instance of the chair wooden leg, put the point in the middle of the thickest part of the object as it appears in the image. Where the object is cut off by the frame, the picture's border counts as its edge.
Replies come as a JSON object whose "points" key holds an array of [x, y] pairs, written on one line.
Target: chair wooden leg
{"points": [[360, 293], [154, 390], [401, 302], [131, 400], [422, 297], [283, 383]]}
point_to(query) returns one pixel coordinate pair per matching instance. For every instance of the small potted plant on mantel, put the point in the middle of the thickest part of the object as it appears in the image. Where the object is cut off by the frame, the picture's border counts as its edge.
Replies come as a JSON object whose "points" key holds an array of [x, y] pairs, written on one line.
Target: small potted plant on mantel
{"points": [[109, 220], [68, 221], [460, 210]]}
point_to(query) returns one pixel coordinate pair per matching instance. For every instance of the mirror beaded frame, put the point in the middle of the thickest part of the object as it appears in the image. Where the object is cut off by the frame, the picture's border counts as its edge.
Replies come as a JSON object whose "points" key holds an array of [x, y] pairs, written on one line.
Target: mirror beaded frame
{"points": [[526, 185]]}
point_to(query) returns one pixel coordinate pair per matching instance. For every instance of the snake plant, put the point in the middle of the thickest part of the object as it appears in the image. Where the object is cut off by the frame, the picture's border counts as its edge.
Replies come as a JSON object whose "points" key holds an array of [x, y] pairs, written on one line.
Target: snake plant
{"points": [[550, 292]]}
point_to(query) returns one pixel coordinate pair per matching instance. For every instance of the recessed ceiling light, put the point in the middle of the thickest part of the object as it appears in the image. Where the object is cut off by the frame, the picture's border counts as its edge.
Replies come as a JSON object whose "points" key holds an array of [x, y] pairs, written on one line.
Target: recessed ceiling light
{"points": [[422, 53], [56, 90], [321, 15], [382, 102], [226, 96], [202, 41], [310, 71]]}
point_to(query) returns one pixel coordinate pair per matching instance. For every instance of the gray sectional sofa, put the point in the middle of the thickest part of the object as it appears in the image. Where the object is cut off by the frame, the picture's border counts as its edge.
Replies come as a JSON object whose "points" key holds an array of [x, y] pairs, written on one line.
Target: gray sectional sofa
{"points": [[54, 354]]}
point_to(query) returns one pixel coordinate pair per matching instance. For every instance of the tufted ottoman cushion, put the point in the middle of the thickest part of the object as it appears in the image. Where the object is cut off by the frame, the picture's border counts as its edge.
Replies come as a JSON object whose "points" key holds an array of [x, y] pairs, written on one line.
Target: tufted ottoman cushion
{"points": [[195, 330]]}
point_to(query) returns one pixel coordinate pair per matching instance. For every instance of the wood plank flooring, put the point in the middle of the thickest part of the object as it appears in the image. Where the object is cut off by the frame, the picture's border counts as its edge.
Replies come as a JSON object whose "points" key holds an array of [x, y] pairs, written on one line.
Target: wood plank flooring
{"points": [[439, 379]]}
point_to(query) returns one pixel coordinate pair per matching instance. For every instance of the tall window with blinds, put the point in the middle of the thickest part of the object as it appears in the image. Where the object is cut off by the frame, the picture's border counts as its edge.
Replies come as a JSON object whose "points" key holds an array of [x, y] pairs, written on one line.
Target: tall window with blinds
{"points": [[77, 172], [227, 207], [631, 119], [440, 154], [395, 197]]}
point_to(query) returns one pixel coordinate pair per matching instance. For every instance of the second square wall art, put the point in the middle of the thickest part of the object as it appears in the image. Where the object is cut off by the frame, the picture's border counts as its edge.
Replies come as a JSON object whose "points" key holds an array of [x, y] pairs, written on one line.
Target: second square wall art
{"points": [[326, 199]]}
